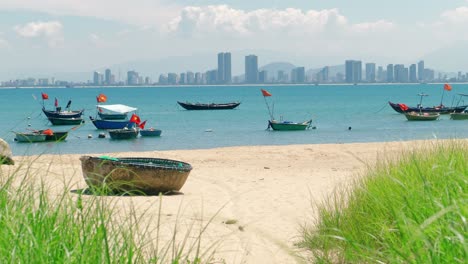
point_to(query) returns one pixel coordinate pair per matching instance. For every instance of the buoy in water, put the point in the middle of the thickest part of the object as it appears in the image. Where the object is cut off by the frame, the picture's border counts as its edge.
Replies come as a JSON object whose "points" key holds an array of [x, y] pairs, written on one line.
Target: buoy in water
{"points": [[102, 135], [90, 136]]}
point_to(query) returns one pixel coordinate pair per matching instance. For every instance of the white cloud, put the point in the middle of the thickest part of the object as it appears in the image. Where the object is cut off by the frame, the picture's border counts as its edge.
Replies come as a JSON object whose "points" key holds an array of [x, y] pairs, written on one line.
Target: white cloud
{"points": [[135, 12], [225, 20], [51, 31], [456, 16]]}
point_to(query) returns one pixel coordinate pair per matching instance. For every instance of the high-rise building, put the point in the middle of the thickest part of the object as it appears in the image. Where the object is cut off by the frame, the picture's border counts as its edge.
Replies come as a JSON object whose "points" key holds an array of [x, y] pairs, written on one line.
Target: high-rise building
{"points": [[298, 75], [421, 71], [353, 71], [380, 74], [251, 69], [412, 73], [133, 78], [108, 76], [224, 73], [370, 72], [172, 78], [400, 73], [220, 72], [97, 78], [263, 76], [390, 73]]}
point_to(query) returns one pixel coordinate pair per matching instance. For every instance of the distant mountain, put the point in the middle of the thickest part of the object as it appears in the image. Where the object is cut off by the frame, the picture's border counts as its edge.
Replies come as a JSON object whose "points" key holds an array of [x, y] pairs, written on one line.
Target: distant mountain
{"points": [[274, 67]]}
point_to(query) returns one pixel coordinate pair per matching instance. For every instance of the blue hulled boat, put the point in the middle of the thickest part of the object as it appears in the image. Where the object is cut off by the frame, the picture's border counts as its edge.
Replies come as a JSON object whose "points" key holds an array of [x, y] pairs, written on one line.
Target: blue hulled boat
{"points": [[111, 124]]}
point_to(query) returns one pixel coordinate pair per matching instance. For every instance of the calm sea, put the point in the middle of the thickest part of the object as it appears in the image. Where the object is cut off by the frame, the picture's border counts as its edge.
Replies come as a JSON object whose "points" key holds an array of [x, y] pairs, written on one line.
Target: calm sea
{"points": [[333, 109]]}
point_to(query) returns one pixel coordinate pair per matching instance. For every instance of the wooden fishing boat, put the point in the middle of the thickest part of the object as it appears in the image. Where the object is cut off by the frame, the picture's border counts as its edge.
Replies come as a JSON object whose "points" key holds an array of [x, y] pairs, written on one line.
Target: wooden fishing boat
{"points": [[58, 112], [398, 107], [111, 124], [62, 121], [114, 111], [208, 106], [288, 125], [29, 137], [134, 175], [124, 133], [441, 109], [415, 116], [151, 132], [283, 125], [462, 115]]}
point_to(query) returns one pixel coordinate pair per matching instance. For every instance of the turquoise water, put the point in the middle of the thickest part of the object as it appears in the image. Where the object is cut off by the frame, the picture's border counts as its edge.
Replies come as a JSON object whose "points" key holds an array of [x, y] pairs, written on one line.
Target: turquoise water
{"points": [[333, 109]]}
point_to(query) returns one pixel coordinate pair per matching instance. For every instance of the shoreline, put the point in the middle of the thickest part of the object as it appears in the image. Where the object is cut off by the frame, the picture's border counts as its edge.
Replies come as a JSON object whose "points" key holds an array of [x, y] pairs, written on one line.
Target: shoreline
{"points": [[268, 190]]}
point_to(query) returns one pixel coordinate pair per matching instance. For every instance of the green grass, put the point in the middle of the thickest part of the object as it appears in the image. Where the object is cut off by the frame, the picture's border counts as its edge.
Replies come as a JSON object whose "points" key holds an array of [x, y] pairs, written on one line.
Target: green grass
{"points": [[412, 210], [38, 226]]}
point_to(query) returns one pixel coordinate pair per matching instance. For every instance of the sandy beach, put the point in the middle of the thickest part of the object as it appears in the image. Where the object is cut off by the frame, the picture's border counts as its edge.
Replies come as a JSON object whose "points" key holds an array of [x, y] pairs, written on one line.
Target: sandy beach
{"points": [[256, 198]]}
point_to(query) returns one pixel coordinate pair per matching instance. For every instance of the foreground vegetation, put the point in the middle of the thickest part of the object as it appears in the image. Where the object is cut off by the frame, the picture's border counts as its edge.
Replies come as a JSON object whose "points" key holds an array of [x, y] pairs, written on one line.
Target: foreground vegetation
{"points": [[412, 210], [38, 227]]}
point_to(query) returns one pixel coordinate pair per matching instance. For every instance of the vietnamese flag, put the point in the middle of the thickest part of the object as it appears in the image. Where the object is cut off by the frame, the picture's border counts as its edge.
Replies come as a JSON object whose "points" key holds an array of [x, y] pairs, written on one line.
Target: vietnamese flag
{"points": [[101, 98], [447, 87], [135, 119], [142, 125], [45, 96], [265, 92]]}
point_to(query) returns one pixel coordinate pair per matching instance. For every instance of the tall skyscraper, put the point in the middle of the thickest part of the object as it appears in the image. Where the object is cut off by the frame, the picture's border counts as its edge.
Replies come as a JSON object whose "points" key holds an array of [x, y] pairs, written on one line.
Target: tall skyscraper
{"points": [[370, 72], [251, 69], [224, 74], [298, 75], [220, 72], [390, 73], [132, 78], [421, 71], [353, 71], [108, 76], [97, 78], [412, 73]]}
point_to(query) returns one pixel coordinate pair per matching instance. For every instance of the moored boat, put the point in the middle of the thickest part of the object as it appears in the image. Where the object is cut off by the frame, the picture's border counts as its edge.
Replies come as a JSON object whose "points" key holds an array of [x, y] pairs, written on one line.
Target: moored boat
{"points": [[58, 113], [29, 137], [146, 175], [111, 124], [288, 125], [415, 116], [459, 116], [54, 135], [208, 106], [124, 133], [62, 121], [403, 108], [114, 111], [151, 132]]}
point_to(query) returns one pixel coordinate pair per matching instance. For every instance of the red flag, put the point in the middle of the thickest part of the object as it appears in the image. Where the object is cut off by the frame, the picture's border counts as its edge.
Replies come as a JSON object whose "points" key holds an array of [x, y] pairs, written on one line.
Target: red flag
{"points": [[142, 125], [403, 107], [56, 102], [45, 96], [447, 87], [101, 98], [265, 92], [135, 119]]}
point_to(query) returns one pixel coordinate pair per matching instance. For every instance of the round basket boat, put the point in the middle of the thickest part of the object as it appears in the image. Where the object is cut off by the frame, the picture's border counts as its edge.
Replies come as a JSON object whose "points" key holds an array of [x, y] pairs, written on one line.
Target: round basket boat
{"points": [[146, 175]]}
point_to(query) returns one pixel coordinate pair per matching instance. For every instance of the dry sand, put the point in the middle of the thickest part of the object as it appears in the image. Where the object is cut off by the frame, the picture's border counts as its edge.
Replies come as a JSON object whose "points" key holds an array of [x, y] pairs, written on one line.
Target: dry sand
{"points": [[265, 193]]}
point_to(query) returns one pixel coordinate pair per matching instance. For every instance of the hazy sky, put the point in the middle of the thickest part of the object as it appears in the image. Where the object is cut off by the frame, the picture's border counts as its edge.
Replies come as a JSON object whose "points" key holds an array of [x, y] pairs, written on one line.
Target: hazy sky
{"points": [[84, 35]]}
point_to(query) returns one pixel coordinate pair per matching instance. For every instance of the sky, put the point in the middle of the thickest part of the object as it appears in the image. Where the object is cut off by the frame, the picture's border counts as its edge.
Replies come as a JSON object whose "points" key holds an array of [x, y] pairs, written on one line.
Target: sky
{"points": [[39, 38]]}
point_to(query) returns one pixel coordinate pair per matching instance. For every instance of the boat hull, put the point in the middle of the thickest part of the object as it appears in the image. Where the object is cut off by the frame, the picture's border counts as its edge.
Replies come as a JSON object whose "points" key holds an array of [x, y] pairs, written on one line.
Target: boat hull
{"points": [[59, 121], [146, 175], [56, 136], [459, 116], [111, 124], [63, 114], [288, 126], [150, 132], [123, 133], [198, 106], [422, 117], [440, 110], [30, 137]]}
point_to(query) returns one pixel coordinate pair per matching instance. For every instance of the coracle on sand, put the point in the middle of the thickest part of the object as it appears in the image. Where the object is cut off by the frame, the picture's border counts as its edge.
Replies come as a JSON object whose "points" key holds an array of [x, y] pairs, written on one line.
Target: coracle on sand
{"points": [[134, 175]]}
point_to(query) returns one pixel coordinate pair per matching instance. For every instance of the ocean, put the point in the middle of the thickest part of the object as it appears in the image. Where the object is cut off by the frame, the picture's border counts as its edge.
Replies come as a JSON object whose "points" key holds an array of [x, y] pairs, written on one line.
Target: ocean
{"points": [[333, 108]]}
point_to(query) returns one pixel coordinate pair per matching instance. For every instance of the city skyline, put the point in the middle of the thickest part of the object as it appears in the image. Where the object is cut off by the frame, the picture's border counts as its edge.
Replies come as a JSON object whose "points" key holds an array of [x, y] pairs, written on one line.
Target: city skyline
{"points": [[52, 37], [352, 72]]}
